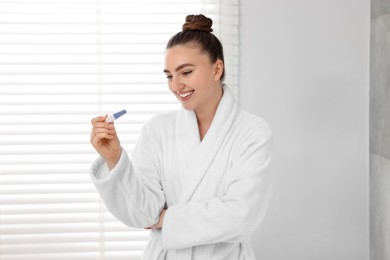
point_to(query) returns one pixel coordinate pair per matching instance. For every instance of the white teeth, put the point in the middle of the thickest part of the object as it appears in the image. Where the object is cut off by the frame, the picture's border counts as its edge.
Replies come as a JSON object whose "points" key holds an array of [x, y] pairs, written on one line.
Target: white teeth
{"points": [[186, 94]]}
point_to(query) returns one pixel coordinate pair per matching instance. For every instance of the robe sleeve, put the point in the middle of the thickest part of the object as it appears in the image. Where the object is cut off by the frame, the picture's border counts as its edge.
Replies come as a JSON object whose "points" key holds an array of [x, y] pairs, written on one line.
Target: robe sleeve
{"points": [[232, 217], [132, 190]]}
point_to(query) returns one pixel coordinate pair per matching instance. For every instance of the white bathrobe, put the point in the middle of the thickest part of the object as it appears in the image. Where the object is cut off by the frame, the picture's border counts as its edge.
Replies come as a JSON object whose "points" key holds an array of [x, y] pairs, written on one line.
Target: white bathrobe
{"points": [[216, 191]]}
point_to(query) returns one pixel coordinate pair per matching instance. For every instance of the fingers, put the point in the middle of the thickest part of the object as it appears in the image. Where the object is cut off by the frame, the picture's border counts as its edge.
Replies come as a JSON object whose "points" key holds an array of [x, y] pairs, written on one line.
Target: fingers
{"points": [[101, 129], [159, 224], [105, 140], [100, 134], [98, 119]]}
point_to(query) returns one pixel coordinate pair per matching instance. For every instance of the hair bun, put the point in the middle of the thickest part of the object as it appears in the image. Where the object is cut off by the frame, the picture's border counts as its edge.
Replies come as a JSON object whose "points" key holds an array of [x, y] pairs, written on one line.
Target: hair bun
{"points": [[198, 23]]}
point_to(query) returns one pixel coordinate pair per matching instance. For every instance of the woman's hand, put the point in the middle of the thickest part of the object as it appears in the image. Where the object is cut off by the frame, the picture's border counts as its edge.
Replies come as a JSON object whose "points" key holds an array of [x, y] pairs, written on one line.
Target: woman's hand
{"points": [[160, 222], [105, 140]]}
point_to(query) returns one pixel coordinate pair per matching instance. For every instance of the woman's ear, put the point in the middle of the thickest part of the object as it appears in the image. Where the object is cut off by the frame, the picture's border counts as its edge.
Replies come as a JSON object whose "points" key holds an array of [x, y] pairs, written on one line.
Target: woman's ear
{"points": [[219, 67]]}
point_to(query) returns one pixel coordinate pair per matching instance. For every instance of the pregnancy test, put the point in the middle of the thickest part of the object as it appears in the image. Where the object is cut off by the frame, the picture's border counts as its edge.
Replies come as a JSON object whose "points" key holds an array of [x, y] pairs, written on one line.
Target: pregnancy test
{"points": [[115, 116]]}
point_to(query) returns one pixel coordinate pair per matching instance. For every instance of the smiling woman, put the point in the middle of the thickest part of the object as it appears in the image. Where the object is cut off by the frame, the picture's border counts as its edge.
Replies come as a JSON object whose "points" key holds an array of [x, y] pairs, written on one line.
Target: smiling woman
{"points": [[197, 176], [62, 62]]}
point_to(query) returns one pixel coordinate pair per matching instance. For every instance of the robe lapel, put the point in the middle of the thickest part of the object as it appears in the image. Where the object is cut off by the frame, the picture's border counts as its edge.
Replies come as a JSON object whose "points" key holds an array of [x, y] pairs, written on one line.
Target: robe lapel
{"points": [[195, 157]]}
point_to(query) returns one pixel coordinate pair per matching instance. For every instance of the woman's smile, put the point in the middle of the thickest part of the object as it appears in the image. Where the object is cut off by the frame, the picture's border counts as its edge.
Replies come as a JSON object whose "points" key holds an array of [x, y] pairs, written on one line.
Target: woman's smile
{"points": [[184, 96]]}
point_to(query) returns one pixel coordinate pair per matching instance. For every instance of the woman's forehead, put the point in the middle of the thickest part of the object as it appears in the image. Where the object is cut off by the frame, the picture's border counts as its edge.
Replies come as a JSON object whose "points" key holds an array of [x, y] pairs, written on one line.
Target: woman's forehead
{"points": [[183, 54]]}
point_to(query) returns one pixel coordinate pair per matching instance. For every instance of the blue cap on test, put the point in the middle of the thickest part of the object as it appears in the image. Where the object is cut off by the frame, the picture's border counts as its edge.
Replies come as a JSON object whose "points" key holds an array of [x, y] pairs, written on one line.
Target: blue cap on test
{"points": [[119, 114]]}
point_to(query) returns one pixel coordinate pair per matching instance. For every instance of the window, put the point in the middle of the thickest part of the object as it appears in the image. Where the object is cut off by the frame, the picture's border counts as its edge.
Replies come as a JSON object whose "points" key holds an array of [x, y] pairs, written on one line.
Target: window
{"points": [[63, 62]]}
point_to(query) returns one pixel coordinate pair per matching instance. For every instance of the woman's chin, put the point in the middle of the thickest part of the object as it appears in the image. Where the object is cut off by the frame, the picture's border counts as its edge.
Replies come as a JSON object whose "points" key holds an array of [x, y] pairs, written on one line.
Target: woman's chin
{"points": [[187, 107]]}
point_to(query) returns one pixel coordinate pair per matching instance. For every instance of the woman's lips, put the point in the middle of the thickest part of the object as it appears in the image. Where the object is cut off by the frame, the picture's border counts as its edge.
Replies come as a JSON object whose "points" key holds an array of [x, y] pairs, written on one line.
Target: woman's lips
{"points": [[185, 95]]}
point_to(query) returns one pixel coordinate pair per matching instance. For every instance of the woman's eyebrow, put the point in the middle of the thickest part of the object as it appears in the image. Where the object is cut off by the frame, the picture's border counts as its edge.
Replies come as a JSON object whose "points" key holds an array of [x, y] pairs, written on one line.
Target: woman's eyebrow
{"points": [[180, 67]]}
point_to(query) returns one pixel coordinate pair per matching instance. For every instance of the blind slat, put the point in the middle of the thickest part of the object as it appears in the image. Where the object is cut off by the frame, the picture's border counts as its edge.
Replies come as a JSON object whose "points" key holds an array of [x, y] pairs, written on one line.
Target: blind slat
{"points": [[20, 199], [134, 235], [68, 208], [74, 247], [63, 229]]}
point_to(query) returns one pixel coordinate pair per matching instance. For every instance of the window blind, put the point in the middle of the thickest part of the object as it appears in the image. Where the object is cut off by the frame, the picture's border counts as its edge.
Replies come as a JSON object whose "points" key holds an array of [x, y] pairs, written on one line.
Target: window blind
{"points": [[63, 62]]}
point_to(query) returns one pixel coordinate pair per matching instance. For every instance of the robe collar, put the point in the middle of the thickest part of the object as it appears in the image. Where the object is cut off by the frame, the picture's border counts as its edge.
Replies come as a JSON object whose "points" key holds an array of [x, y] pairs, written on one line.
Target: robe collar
{"points": [[195, 156]]}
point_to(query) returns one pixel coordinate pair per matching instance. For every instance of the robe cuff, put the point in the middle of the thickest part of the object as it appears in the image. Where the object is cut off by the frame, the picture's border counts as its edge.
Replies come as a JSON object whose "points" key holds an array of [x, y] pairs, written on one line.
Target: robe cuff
{"points": [[100, 172], [168, 238], [170, 228]]}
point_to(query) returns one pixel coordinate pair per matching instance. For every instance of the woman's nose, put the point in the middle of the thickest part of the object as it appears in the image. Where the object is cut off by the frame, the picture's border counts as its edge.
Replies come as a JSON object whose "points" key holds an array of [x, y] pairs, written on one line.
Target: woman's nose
{"points": [[177, 85]]}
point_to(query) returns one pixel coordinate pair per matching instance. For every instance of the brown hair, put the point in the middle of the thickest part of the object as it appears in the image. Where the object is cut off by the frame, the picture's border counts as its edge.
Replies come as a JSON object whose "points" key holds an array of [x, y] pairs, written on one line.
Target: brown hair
{"points": [[197, 29]]}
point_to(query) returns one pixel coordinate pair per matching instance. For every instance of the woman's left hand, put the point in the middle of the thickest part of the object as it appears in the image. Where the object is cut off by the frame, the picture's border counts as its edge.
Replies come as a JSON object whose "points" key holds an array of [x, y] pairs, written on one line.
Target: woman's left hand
{"points": [[159, 224]]}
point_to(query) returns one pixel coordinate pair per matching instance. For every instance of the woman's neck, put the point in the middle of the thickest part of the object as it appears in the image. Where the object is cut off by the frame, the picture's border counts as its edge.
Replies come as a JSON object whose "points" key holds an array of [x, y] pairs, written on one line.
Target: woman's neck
{"points": [[206, 115]]}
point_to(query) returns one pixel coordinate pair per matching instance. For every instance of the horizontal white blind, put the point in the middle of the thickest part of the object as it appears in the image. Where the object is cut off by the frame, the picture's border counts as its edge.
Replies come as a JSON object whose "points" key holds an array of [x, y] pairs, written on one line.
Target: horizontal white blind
{"points": [[63, 62]]}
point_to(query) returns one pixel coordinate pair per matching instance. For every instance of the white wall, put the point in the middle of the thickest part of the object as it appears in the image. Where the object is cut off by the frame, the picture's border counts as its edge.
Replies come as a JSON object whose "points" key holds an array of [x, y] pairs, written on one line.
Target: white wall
{"points": [[305, 69]]}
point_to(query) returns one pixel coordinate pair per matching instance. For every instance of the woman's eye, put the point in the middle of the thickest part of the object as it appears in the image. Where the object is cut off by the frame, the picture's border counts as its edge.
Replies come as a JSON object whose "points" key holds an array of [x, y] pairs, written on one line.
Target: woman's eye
{"points": [[169, 77], [186, 73]]}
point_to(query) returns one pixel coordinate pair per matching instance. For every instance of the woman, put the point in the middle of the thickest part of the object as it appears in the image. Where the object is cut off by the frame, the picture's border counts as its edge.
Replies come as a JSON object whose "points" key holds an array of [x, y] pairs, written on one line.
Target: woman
{"points": [[197, 176]]}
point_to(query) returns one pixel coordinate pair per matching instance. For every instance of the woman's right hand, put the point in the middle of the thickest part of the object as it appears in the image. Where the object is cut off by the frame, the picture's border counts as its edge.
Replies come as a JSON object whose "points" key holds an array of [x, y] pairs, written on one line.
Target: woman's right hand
{"points": [[105, 140]]}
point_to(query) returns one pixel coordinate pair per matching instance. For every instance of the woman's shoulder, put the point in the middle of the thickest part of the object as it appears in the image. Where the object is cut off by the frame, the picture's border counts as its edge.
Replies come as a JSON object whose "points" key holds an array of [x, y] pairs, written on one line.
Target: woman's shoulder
{"points": [[253, 125], [252, 136]]}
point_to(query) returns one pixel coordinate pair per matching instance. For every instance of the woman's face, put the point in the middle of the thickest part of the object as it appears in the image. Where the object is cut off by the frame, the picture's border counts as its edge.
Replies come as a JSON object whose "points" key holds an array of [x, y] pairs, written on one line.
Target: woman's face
{"points": [[192, 78]]}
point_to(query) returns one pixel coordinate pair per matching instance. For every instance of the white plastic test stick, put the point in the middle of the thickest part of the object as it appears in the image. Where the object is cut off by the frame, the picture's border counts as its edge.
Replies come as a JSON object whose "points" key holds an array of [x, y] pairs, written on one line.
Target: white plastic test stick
{"points": [[112, 117]]}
